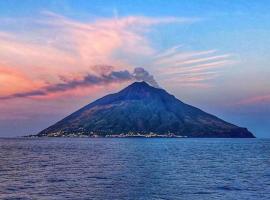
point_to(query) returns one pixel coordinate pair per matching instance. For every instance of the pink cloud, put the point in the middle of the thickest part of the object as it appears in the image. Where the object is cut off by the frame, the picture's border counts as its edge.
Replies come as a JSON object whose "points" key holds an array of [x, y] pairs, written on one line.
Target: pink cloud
{"points": [[255, 100], [69, 48], [12, 80]]}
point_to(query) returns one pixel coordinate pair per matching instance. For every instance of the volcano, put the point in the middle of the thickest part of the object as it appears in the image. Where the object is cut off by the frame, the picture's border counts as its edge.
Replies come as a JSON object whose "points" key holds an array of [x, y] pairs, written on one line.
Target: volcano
{"points": [[141, 109]]}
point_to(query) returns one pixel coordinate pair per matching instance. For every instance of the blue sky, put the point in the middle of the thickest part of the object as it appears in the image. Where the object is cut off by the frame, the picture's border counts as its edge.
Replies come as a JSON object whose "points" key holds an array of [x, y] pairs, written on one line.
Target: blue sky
{"points": [[212, 54]]}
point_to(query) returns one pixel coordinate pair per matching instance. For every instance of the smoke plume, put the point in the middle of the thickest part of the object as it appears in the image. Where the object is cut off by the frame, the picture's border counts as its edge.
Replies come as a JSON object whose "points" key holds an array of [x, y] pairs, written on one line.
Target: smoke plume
{"points": [[104, 78], [140, 74]]}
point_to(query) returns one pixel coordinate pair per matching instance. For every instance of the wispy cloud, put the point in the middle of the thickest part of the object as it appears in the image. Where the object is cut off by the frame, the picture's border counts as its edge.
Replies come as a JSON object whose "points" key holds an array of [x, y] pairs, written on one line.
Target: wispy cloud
{"points": [[206, 67], [66, 85], [170, 60], [201, 60], [106, 77], [255, 100], [168, 52], [12, 80], [192, 67], [61, 47]]}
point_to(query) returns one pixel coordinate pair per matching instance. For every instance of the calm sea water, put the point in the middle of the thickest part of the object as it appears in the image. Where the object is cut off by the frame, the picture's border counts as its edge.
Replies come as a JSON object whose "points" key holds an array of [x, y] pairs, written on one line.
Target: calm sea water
{"points": [[73, 168]]}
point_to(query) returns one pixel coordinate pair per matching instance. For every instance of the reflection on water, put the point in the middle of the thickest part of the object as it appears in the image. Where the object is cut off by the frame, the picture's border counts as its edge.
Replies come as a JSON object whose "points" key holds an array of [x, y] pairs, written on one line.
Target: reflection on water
{"points": [[134, 168]]}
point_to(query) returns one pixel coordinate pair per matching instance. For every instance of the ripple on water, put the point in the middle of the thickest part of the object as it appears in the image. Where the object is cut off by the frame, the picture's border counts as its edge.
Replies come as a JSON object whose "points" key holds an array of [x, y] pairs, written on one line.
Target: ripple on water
{"points": [[66, 168]]}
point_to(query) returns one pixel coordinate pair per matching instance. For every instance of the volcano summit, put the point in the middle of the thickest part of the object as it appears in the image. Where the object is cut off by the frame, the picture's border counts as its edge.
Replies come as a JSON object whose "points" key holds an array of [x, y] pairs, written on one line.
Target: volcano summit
{"points": [[143, 110]]}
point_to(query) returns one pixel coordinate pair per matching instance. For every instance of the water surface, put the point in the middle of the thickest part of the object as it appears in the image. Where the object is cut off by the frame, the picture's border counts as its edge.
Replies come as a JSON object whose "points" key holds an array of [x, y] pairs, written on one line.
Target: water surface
{"points": [[134, 168]]}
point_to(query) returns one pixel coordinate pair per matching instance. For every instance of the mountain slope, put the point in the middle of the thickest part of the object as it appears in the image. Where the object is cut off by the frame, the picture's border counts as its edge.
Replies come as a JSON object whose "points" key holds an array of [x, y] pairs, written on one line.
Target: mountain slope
{"points": [[140, 108]]}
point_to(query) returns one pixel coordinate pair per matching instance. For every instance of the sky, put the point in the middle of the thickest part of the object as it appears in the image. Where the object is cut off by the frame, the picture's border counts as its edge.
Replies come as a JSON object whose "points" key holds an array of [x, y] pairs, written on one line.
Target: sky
{"points": [[57, 56]]}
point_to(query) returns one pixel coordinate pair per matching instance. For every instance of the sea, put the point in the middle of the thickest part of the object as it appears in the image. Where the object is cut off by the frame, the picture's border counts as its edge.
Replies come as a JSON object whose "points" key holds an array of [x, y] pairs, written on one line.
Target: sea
{"points": [[134, 168]]}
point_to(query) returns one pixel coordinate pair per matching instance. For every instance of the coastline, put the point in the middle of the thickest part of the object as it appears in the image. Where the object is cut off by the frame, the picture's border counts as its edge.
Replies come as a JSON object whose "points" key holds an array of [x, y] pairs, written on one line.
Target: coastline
{"points": [[74, 135]]}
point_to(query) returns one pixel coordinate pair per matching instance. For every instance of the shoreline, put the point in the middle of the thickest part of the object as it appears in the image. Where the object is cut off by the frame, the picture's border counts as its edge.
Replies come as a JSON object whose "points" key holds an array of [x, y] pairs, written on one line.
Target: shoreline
{"points": [[107, 136]]}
